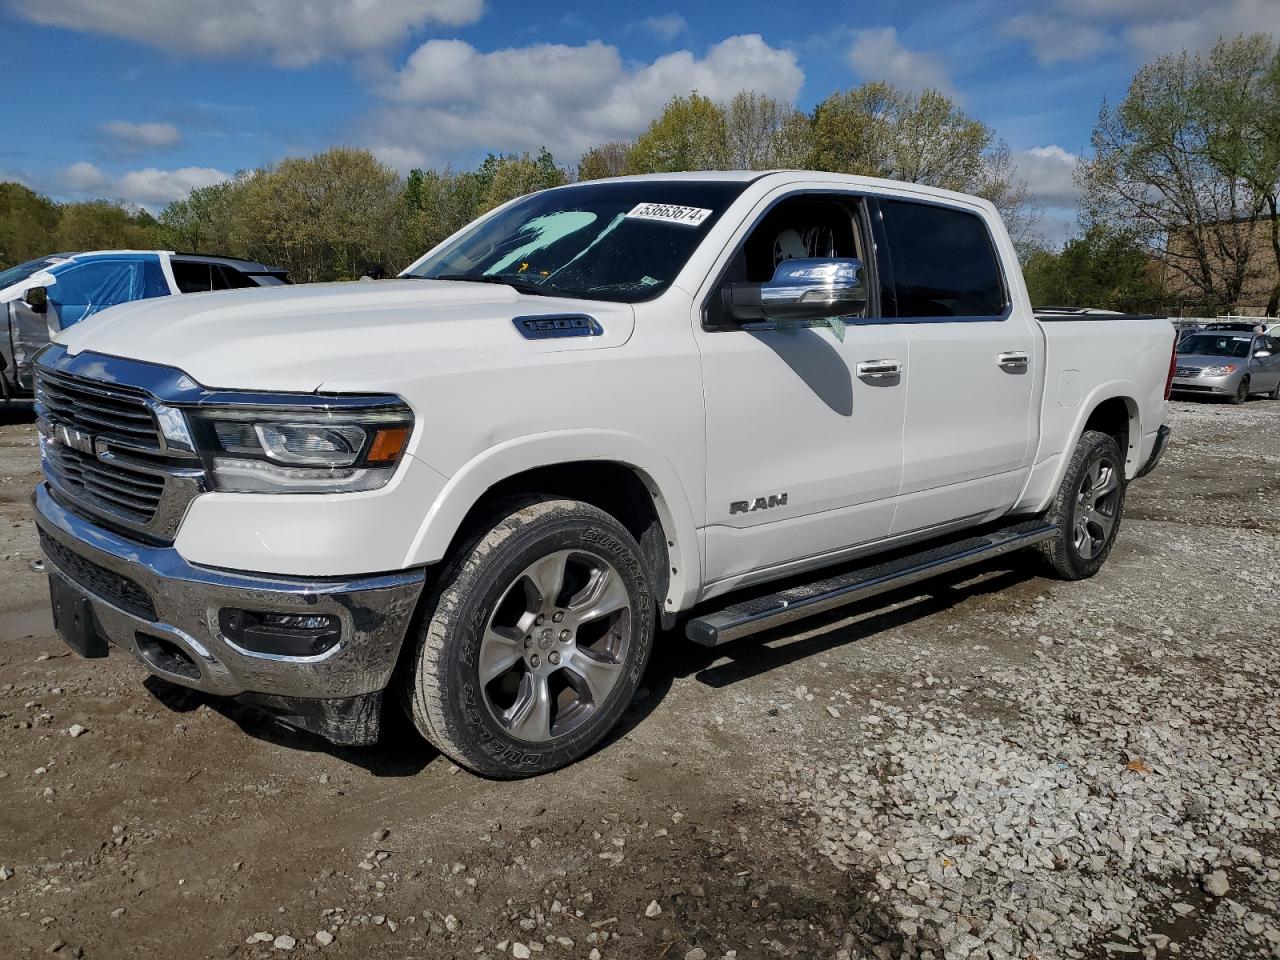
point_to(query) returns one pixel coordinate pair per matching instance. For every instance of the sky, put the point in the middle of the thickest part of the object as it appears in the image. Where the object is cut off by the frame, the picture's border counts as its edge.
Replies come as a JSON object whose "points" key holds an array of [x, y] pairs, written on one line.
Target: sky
{"points": [[143, 100]]}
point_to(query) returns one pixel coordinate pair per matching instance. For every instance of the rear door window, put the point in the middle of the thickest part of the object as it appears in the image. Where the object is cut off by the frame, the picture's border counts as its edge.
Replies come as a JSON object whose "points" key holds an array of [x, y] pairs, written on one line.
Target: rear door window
{"points": [[232, 279], [192, 277], [944, 263]]}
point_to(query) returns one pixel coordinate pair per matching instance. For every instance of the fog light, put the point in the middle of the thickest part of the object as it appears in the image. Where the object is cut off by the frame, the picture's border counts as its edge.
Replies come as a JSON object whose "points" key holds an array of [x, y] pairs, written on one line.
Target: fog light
{"points": [[280, 634]]}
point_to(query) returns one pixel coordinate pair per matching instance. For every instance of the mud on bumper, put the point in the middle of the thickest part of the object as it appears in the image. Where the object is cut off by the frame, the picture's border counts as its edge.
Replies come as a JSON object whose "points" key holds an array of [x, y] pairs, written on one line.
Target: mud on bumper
{"points": [[151, 602]]}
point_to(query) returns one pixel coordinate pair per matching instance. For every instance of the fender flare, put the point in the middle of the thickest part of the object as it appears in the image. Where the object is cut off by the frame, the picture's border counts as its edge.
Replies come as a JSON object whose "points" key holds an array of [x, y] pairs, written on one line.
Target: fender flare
{"points": [[1112, 390], [476, 477]]}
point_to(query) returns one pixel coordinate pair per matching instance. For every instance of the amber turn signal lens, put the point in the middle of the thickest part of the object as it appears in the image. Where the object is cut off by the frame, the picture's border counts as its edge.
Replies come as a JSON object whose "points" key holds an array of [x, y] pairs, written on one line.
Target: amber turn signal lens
{"points": [[387, 446]]}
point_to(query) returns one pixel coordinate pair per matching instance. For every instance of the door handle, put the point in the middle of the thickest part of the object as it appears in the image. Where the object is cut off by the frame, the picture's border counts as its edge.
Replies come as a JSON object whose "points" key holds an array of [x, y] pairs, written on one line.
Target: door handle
{"points": [[1013, 358], [879, 369]]}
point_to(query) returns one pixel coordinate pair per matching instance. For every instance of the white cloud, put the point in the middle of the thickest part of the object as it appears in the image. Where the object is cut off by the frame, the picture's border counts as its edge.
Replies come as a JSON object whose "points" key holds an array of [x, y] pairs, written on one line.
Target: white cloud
{"points": [[451, 99], [1078, 29], [665, 27], [1183, 25], [148, 187], [1059, 39], [141, 136], [878, 54], [293, 34], [1048, 172]]}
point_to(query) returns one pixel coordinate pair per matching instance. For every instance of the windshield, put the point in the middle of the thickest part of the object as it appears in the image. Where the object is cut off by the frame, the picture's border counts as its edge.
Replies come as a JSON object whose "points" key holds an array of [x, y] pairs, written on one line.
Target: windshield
{"points": [[622, 241], [1209, 345], [23, 270]]}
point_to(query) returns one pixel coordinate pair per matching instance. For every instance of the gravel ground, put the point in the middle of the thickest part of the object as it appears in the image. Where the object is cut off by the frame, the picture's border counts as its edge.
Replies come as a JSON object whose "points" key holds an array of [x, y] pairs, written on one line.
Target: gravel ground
{"points": [[995, 765]]}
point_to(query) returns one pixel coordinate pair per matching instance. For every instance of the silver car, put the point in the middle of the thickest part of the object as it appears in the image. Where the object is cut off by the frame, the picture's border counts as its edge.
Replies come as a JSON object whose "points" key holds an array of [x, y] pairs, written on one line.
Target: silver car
{"points": [[1228, 364]]}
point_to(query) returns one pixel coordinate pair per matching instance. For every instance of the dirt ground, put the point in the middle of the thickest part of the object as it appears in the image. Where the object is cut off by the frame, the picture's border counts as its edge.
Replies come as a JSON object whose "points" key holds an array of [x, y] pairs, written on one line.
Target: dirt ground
{"points": [[178, 826]]}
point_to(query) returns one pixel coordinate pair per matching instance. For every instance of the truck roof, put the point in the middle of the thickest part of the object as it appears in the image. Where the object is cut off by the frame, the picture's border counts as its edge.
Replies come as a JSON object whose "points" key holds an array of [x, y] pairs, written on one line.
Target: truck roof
{"points": [[785, 176]]}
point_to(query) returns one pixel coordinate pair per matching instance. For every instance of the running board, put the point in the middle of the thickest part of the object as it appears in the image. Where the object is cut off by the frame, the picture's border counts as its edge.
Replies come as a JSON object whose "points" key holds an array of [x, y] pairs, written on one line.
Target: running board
{"points": [[794, 603]]}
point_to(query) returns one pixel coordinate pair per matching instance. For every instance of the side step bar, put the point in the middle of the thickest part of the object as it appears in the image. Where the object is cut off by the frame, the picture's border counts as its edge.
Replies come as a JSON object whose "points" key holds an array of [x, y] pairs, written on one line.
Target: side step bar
{"points": [[794, 603]]}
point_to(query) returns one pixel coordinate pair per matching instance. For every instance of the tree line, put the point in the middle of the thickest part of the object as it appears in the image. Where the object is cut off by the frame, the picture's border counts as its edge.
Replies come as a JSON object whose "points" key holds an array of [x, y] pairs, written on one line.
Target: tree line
{"points": [[1184, 170]]}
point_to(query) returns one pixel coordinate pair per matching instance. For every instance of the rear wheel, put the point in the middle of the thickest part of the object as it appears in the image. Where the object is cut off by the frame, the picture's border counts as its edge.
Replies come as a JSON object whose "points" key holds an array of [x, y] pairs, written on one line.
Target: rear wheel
{"points": [[1242, 392], [1275, 392], [536, 640], [1087, 509]]}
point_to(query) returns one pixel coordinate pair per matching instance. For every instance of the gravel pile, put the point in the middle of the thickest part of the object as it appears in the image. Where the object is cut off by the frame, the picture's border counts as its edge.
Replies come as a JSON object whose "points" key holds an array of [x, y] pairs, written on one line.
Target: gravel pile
{"points": [[1084, 801]]}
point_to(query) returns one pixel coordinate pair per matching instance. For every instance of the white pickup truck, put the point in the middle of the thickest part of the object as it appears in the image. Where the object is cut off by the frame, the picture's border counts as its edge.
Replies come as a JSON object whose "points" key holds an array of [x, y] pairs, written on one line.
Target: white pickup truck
{"points": [[480, 489]]}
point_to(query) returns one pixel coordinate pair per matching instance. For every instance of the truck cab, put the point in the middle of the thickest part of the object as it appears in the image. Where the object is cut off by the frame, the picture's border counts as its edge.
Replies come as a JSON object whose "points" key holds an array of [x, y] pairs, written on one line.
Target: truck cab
{"points": [[480, 490]]}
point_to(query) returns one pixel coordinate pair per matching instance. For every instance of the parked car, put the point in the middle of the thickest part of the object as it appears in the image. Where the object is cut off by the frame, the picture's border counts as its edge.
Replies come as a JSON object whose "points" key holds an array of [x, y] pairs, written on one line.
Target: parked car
{"points": [[479, 489], [1228, 364], [42, 296]]}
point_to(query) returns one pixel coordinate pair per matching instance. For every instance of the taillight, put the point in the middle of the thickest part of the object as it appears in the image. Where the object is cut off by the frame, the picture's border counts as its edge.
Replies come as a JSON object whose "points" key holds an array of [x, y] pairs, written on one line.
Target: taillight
{"points": [[1173, 365]]}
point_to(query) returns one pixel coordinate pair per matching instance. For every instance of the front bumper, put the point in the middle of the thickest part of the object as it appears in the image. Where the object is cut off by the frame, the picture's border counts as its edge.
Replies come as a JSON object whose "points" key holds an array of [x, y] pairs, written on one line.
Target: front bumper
{"points": [[151, 602], [1225, 386]]}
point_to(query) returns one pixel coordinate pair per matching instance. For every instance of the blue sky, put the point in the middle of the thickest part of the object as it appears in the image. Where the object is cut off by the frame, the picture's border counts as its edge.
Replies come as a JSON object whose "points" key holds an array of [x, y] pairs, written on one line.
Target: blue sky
{"points": [[140, 100]]}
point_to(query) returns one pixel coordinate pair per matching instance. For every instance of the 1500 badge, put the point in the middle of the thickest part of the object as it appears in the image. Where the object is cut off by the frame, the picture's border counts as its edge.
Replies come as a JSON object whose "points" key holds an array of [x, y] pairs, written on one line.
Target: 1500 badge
{"points": [[759, 503]]}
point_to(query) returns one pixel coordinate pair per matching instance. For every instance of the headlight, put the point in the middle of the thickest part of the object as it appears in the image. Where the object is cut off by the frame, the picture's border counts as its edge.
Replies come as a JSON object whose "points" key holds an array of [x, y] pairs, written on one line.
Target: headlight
{"points": [[1219, 371], [300, 450]]}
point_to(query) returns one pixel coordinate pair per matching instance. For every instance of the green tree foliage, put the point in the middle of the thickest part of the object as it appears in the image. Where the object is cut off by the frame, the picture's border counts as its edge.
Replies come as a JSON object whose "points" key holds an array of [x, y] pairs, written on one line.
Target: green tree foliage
{"points": [[762, 133], [28, 224], [1186, 161], [439, 203], [1237, 90], [607, 160], [877, 130], [104, 225], [205, 221], [331, 216], [690, 134], [1103, 268]]}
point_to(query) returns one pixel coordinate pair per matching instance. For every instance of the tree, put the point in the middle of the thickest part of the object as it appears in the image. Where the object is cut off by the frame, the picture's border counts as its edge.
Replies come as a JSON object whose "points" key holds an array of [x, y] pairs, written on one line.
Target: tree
{"points": [[607, 160], [762, 133], [689, 134], [1162, 172], [1237, 91], [327, 217], [1104, 268], [439, 203], [104, 225], [514, 176], [28, 224], [205, 221], [877, 130]]}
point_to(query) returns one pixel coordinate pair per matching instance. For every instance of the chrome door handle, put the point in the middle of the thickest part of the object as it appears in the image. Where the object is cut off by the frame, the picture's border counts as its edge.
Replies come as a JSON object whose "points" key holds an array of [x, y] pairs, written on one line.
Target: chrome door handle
{"points": [[1014, 358], [879, 369]]}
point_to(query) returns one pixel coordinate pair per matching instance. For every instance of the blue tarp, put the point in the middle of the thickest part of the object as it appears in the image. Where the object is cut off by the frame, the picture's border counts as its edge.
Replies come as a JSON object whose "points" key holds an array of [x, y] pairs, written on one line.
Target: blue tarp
{"points": [[86, 286]]}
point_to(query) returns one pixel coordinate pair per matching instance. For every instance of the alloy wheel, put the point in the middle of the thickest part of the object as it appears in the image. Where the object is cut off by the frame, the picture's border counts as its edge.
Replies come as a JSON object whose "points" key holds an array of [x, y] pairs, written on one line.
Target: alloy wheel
{"points": [[1095, 513], [554, 646]]}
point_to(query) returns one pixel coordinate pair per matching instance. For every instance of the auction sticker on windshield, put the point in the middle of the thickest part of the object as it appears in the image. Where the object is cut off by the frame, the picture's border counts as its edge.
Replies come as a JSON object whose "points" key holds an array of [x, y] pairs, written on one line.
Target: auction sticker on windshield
{"points": [[669, 213]]}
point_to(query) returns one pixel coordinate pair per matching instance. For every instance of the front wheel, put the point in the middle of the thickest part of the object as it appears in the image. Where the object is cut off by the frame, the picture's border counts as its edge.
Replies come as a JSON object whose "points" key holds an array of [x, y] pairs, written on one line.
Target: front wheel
{"points": [[535, 641], [1087, 509], [1242, 392]]}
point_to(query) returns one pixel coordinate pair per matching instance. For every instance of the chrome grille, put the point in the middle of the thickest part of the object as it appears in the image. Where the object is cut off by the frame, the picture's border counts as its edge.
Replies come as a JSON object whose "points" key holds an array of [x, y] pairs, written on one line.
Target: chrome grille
{"points": [[111, 485], [1187, 372], [103, 449], [103, 410]]}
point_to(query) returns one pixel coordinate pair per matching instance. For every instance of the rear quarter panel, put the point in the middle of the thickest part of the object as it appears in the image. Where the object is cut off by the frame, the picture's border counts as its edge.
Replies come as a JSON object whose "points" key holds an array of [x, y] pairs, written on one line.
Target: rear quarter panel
{"points": [[1088, 362]]}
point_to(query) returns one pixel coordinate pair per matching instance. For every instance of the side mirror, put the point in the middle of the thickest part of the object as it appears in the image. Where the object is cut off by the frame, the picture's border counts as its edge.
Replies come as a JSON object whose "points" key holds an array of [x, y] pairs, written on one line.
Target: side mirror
{"points": [[37, 298], [802, 289]]}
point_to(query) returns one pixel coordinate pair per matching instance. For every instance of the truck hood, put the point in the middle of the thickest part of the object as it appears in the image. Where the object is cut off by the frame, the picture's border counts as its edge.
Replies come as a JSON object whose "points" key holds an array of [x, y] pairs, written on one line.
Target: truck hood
{"points": [[1202, 360], [339, 337]]}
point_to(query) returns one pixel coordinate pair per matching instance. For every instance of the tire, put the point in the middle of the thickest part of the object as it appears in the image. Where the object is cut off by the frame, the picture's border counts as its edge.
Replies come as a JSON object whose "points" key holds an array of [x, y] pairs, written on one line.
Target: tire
{"points": [[1242, 393], [1087, 509], [560, 663], [1275, 392]]}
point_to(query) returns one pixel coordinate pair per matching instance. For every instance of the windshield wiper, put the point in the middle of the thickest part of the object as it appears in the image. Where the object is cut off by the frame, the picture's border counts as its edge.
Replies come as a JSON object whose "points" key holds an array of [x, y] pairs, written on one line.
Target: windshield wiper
{"points": [[523, 286]]}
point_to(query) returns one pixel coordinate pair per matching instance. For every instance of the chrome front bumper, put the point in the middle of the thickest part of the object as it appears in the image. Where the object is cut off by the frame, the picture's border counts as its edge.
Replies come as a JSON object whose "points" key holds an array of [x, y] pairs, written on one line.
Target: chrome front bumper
{"points": [[184, 600]]}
